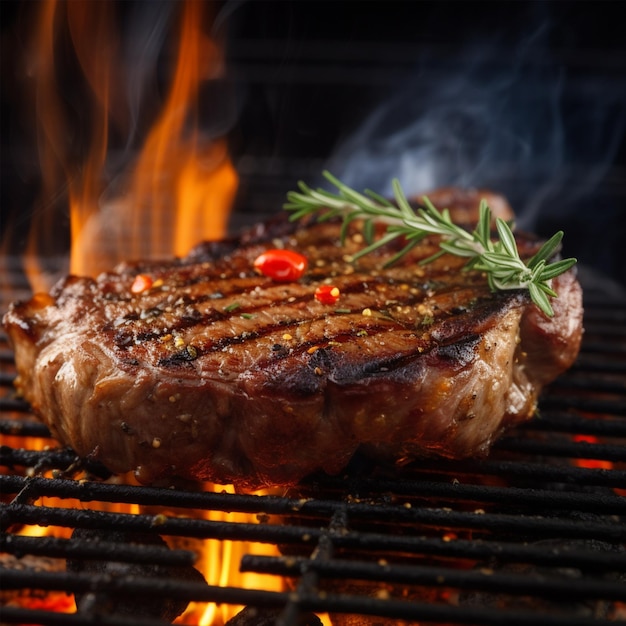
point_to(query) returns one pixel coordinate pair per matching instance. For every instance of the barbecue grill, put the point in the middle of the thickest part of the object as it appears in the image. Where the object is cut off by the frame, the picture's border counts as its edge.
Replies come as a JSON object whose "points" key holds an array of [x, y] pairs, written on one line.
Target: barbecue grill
{"points": [[532, 534]]}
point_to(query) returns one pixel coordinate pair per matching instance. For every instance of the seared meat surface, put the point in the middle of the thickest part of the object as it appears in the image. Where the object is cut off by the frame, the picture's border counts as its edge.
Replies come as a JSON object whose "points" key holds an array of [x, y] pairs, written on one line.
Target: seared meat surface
{"points": [[215, 372]]}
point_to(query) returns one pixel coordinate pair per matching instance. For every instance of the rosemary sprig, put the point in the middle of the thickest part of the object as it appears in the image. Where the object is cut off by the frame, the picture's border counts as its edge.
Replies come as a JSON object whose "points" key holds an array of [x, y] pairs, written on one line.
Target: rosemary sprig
{"points": [[499, 259]]}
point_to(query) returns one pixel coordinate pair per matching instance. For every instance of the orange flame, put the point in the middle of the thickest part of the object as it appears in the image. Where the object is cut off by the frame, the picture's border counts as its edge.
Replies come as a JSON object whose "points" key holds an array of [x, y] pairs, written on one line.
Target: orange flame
{"points": [[51, 143], [180, 187]]}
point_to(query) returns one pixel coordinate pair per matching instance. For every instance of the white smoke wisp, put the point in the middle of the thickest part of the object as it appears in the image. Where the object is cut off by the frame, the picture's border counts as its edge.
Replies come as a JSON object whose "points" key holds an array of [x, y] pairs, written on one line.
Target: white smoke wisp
{"points": [[490, 116]]}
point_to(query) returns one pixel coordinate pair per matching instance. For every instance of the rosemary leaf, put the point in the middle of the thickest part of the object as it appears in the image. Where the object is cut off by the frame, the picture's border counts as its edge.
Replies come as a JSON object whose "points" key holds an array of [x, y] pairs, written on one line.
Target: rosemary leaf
{"points": [[506, 238], [499, 259], [555, 269], [547, 250]]}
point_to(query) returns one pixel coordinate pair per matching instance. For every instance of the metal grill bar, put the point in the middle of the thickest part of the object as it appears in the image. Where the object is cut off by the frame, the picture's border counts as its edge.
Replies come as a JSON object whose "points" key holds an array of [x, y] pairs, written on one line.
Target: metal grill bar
{"points": [[368, 606], [580, 450], [361, 540], [424, 613], [420, 489], [476, 549], [597, 363], [609, 407], [438, 518], [540, 472], [521, 525], [21, 428], [568, 423], [14, 615], [433, 576], [133, 586], [102, 550]]}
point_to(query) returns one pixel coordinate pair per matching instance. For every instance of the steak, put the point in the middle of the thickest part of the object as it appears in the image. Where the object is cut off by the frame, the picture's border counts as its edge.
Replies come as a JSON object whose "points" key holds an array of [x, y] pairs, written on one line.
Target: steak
{"points": [[215, 372]]}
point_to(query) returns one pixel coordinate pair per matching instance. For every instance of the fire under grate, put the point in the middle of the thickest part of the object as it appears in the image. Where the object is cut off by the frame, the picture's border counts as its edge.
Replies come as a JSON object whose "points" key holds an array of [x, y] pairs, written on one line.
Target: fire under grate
{"points": [[533, 534]]}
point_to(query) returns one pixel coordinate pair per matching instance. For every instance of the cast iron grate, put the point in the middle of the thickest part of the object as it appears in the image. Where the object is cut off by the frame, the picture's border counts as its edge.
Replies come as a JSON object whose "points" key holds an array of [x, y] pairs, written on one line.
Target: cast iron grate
{"points": [[533, 534]]}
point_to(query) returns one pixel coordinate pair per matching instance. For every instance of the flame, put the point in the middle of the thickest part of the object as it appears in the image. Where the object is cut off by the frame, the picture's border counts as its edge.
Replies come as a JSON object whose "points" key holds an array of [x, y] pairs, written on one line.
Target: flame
{"points": [[178, 184], [218, 562]]}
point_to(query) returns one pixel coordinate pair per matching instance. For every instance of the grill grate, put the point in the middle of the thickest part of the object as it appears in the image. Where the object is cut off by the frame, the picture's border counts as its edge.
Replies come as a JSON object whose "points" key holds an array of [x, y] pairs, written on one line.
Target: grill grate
{"points": [[533, 534]]}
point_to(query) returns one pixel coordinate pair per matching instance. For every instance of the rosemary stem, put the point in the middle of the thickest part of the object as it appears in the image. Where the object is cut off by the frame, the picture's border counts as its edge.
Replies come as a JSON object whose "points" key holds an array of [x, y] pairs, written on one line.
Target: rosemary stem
{"points": [[499, 259]]}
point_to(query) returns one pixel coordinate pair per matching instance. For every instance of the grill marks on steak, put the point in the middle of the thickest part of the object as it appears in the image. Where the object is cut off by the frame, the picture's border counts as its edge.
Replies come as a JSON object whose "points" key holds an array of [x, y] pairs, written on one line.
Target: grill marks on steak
{"points": [[218, 373], [244, 313], [256, 326]]}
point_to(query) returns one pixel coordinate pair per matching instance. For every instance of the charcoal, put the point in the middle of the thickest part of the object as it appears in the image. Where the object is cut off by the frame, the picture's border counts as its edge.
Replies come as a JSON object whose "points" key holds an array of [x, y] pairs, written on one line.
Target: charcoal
{"points": [[104, 602], [253, 616]]}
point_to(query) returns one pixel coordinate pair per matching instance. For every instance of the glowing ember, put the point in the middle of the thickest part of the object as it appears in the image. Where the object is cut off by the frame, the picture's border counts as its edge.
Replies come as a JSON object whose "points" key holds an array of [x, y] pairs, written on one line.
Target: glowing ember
{"points": [[591, 463]]}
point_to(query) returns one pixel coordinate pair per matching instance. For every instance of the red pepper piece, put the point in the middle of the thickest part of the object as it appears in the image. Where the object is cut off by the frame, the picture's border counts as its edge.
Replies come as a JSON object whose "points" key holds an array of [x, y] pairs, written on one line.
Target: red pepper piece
{"points": [[281, 265], [327, 294], [142, 282]]}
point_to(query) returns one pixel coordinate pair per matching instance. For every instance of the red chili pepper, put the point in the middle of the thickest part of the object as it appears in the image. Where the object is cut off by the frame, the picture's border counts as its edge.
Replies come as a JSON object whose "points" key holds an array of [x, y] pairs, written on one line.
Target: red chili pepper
{"points": [[281, 265], [327, 294], [141, 283]]}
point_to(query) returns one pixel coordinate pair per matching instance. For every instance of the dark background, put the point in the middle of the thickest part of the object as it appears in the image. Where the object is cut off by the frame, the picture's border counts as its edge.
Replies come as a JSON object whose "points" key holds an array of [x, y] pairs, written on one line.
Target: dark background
{"points": [[526, 98]]}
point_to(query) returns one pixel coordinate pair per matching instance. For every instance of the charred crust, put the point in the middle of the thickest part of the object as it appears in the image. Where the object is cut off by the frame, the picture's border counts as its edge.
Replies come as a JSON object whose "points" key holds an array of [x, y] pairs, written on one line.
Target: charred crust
{"points": [[476, 318], [320, 359], [375, 368], [460, 353], [182, 357], [304, 383], [279, 350], [147, 336], [399, 369]]}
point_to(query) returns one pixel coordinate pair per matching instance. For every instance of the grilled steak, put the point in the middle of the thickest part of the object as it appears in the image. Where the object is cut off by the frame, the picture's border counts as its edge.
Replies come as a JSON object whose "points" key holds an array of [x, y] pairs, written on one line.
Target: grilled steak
{"points": [[215, 372]]}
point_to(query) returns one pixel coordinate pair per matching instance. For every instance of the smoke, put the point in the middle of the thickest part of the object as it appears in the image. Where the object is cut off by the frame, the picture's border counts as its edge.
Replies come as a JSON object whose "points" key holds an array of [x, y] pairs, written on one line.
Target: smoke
{"points": [[496, 113], [150, 35], [145, 34]]}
